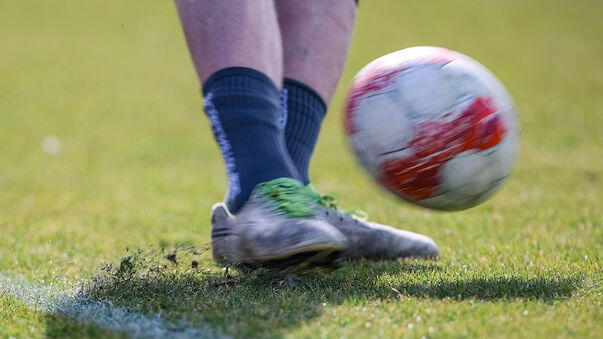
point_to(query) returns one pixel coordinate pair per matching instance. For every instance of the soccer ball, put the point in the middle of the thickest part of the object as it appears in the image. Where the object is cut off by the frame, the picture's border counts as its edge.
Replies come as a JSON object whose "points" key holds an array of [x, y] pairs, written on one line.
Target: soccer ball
{"points": [[433, 126]]}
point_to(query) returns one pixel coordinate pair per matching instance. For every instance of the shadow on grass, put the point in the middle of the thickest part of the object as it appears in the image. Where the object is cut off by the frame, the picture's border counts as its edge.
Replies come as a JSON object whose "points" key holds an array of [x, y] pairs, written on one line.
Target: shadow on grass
{"points": [[62, 326], [268, 303], [494, 288]]}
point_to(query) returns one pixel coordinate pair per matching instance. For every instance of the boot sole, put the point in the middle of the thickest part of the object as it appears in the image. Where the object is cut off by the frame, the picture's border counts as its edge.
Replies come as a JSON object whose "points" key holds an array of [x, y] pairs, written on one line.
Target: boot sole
{"points": [[300, 262]]}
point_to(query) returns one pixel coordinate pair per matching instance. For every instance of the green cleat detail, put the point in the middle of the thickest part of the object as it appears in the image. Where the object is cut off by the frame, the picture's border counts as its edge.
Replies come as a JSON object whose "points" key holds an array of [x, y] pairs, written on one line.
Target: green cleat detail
{"points": [[275, 226]]}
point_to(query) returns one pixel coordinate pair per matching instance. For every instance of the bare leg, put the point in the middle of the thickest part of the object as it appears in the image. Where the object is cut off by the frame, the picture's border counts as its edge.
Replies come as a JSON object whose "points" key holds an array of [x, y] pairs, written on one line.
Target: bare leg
{"points": [[316, 36], [227, 33]]}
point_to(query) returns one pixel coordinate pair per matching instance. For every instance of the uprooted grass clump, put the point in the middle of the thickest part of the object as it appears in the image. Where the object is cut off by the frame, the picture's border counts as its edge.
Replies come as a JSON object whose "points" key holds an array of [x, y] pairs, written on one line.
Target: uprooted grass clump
{"points": [[180, 272], [143, 270], [158, 262]]}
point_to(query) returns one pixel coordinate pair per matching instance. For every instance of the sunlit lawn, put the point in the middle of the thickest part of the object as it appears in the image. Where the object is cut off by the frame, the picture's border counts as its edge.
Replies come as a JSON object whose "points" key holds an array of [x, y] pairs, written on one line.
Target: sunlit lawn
{"points": [[137, 167]]}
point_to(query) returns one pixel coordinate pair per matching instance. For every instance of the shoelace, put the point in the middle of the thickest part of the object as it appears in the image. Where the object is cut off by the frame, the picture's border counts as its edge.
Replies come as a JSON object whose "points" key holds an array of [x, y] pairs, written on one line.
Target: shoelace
{"points": [[289, 196], [294, 200], [330, 202]]}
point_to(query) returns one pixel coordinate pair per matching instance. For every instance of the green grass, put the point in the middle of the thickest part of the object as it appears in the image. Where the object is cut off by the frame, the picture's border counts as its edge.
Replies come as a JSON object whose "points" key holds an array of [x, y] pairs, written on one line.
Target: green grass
{"points": [[138, 167]]}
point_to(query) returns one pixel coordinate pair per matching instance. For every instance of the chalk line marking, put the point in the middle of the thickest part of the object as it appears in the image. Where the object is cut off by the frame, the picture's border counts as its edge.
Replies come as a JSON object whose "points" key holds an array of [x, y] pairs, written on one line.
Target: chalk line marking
{"points": [[52, 299]]}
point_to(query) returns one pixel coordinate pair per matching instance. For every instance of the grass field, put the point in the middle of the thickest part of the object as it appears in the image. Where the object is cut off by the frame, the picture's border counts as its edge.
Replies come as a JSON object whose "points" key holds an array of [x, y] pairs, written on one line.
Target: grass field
{"points": [[138, 169]]}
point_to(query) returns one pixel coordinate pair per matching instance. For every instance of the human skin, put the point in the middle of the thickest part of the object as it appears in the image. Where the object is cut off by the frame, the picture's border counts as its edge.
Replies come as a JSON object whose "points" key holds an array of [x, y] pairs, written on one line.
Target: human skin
{"points": [[316, 36], [305, 40], [231, 33]]}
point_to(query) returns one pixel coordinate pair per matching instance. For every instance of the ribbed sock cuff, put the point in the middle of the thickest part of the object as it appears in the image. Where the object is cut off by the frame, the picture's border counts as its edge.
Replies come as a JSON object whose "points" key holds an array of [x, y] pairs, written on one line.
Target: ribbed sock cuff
{"points": [[243, 72], [303, 89]]}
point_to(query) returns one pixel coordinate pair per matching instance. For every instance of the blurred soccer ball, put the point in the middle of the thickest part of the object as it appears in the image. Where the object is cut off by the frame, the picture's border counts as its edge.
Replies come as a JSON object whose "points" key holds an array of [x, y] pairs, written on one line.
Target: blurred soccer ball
{"points": [[433, 126]]}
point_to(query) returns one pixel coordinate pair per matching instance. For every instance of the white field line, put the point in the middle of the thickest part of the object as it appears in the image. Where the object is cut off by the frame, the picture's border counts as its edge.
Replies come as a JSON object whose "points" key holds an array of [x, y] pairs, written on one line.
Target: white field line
{"points": [[53, 300]]}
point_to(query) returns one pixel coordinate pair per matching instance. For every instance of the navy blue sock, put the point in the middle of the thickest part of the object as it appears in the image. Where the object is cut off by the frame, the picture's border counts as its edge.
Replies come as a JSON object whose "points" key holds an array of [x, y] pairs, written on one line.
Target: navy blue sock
{"points": [[304, 110], [244, 110]]}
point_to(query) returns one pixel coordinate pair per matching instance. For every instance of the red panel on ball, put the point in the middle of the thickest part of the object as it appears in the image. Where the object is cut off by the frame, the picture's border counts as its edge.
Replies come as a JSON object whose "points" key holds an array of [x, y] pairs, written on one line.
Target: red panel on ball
{"points": [[436, 141]]}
